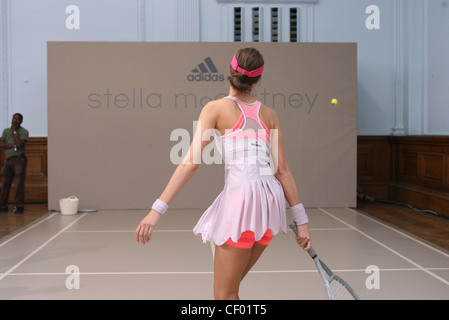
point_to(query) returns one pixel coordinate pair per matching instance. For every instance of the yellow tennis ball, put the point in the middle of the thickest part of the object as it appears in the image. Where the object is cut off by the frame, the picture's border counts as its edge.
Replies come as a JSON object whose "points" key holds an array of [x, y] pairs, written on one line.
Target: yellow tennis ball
{"points": [[334, 101]]}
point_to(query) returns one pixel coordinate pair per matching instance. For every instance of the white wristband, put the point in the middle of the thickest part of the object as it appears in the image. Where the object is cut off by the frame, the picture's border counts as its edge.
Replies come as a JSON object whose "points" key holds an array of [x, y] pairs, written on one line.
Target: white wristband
{"points": [[160, 206], [299, 214]]}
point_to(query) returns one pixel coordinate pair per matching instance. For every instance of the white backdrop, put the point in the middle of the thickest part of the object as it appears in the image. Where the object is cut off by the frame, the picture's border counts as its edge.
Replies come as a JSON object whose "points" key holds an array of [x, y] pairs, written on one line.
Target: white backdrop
{"points": [[113, 106]]}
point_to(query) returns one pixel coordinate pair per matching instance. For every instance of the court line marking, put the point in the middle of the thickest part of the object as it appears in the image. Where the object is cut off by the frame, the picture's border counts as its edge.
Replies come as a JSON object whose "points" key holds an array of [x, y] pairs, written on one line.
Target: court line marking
{"points": [[386, 247], [207, 272], [213, 246], [350, 227], [27, 229], [39, 248], [181, 231], [123, 231], [401, 233]]}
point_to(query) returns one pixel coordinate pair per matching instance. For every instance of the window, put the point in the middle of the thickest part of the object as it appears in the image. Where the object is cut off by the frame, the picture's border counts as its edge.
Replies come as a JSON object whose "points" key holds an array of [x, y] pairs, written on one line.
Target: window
{"points": [[256, 24], [274, 24], [293, 24], [280, 23], [237, 24]]}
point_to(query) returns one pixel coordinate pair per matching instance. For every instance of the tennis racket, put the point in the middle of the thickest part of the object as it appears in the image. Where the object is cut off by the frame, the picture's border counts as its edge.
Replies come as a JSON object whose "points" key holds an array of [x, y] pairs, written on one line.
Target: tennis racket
{"points": [[336, 287]]}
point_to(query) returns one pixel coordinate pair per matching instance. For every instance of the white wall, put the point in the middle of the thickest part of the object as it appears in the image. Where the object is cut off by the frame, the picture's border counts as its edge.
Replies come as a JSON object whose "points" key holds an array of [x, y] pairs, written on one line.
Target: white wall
{"points": [[403, 75], [31, 24], [436, 111], [344, 21]]}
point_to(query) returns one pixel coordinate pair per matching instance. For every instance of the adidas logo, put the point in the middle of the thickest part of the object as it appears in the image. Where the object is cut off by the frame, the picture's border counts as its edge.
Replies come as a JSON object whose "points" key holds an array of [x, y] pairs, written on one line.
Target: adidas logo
{"points": [[205, 71]]}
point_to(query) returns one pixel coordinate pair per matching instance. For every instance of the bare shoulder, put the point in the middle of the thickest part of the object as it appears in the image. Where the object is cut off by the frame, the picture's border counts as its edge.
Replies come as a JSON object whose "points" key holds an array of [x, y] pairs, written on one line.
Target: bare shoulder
{"points": [[269, 116], [216, 105], [215, 110], [211, 108]]}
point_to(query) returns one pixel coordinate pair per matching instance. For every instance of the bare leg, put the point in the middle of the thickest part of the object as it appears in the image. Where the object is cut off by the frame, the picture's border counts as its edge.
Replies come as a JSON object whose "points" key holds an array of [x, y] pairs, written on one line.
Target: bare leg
{"points": [[230, 267], [255, 255]]}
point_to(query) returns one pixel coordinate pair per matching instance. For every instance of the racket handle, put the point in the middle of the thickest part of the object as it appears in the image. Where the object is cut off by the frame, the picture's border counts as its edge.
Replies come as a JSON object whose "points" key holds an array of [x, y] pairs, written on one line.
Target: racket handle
{"points": [[294, 227], [311, 251]]}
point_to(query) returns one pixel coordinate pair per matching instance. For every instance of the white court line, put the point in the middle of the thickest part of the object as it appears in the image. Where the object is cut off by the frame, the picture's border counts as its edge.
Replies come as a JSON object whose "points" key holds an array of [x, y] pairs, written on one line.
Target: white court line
{"points": [[38, 249], [111, 273], [386, 247], [183, 231], [27, 229], [213, 246], [401, 233], [326, 229], [206, 272], [125, 231]]}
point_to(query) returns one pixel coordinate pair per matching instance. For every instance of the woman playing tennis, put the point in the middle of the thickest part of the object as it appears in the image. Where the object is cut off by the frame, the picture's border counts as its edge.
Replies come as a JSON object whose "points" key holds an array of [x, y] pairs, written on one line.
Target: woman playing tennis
{"points": [[251, 209]]}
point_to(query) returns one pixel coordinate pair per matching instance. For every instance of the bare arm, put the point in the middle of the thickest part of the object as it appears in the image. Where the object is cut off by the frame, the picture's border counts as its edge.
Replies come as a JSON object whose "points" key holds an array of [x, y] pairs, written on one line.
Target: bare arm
{"points": [[5, 145], [283, 173], [18, 142], [183, 173], [285, 177]]}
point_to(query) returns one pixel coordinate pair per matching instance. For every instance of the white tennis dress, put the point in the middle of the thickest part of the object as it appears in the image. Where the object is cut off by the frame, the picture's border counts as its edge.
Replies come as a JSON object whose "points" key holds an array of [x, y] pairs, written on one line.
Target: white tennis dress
{"points": [[252, 198]]}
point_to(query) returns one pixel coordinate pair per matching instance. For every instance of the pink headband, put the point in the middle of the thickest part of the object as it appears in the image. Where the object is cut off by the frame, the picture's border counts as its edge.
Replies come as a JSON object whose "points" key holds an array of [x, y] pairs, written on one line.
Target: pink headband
{"points": [[251, 74]]}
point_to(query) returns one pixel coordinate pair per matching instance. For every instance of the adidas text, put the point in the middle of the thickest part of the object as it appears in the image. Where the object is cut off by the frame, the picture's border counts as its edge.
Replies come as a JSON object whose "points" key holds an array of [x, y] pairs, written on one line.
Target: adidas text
{"points": [[205, 77]]}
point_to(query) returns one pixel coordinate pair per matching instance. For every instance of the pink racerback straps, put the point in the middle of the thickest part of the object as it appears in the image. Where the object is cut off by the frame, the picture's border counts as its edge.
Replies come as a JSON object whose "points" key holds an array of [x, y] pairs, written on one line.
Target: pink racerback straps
{"points": [[249, 111]]}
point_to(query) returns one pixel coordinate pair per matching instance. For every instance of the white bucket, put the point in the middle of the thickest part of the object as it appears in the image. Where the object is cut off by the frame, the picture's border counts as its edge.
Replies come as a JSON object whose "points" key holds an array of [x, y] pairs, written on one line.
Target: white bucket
{"points": [[69, 206]]}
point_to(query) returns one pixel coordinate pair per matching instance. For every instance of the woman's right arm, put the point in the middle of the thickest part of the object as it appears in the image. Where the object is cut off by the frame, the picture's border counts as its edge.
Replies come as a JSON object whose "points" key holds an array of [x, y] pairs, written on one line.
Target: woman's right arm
{"points": [[183, 173]]}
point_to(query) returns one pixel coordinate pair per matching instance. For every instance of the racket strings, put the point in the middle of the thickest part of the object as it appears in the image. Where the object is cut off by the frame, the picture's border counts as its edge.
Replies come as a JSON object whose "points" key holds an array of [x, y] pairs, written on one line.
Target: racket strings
{"points": [[340, 291]]}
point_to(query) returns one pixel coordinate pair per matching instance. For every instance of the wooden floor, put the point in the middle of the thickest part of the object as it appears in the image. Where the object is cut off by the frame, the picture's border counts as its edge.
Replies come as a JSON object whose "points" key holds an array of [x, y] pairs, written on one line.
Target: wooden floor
{"points": [[427, 226], [10, 222], [424, 225]]}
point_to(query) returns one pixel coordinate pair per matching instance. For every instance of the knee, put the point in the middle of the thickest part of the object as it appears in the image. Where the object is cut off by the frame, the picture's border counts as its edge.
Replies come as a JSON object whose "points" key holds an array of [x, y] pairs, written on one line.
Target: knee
{"points": [[19, 174]]}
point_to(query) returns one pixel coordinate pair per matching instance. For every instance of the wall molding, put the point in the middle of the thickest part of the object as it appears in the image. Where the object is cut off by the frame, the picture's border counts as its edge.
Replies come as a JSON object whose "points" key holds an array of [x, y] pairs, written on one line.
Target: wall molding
{"points": [[142, 20], [411, 67], [5, 71], [188, 20], [425, 108], [399, 128], [310, 25]]}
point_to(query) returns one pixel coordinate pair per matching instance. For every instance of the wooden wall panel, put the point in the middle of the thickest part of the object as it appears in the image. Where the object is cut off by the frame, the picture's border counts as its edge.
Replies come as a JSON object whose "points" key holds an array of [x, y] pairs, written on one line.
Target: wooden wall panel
{"points": [[433, 168], [410, 169], [373, 166], [422, 161]]}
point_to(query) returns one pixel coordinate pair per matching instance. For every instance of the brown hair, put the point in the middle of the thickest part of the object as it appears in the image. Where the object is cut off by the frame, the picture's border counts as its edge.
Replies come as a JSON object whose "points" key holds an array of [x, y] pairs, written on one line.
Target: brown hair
{"points": [[248, 59]]}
